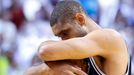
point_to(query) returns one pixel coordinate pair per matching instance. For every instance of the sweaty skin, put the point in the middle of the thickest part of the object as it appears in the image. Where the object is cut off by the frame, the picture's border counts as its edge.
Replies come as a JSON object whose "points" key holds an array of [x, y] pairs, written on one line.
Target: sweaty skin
{"points": [[82, 38], [98, 43], [106, 43], [55, 68]]}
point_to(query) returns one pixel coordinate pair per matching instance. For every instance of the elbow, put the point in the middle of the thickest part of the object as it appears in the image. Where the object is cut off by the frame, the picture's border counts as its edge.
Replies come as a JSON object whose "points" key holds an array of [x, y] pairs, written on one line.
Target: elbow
{"points": [[45, 53]]}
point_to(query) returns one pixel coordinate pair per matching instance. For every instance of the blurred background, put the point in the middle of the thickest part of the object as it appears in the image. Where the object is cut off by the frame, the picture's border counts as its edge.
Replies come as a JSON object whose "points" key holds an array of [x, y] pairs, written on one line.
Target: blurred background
{"points": [[24, 24]]}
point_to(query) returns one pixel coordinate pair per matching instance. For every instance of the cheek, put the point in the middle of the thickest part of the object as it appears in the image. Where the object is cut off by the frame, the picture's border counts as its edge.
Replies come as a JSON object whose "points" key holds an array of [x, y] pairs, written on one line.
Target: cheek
{"points": [[74, 33]]}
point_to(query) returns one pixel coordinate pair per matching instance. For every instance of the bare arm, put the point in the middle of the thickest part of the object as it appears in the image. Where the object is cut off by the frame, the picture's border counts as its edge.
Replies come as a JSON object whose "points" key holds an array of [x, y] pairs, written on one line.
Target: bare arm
{"points": [[95, 43], [77, 48], [55, 68]]}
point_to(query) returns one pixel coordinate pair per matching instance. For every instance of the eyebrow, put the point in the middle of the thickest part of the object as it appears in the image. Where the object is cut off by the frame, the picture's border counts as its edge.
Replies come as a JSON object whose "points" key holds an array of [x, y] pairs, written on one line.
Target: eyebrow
{"points": [[57, 30]]}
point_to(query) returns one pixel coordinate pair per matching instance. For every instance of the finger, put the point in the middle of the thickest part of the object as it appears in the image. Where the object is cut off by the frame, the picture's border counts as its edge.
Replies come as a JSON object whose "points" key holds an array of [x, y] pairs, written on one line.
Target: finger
{"points": [[78, 71], [38, 70], [68, 73]]}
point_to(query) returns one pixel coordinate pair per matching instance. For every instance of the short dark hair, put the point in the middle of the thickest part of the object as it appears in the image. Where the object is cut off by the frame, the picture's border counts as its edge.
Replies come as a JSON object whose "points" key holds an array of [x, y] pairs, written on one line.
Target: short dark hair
{"points": [[65, 10]]}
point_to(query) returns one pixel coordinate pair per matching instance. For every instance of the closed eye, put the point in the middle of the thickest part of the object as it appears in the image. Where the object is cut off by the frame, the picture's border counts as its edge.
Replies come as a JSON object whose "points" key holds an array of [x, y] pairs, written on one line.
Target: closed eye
{"points": [[64, 32]]}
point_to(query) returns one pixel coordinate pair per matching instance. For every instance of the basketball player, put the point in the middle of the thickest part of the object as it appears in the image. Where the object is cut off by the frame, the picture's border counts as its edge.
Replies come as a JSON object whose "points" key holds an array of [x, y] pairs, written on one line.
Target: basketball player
{"points": [[86, 48]]}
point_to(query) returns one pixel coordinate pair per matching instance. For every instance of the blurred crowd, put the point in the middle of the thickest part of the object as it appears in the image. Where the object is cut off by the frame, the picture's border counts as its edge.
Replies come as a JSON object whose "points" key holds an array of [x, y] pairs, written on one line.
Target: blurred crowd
{"points": [[24, 24]]}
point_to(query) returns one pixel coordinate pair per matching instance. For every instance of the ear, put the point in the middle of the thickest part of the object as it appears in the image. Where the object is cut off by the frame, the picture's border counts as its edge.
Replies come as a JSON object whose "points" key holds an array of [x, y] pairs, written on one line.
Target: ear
{"points": [[80, 18]]}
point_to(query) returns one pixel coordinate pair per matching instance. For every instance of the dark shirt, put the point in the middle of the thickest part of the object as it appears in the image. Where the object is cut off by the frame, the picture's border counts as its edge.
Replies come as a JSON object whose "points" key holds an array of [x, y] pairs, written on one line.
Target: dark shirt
{"points": [[93, 69]]}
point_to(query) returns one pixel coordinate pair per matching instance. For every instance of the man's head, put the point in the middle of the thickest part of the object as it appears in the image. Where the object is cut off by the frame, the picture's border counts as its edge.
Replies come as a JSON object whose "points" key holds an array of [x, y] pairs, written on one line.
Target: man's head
{"points": [[68, 20]]}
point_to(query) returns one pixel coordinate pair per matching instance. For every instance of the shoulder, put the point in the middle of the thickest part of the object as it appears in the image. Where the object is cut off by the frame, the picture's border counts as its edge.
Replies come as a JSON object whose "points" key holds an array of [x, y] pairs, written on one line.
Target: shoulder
{"points": [[104, 33], [107, 38]]}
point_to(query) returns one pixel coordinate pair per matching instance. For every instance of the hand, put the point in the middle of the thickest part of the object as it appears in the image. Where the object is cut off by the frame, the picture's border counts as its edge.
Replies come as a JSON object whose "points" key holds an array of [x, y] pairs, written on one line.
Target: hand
{"points": [[55, 68], [63, 68], [41, 69]]}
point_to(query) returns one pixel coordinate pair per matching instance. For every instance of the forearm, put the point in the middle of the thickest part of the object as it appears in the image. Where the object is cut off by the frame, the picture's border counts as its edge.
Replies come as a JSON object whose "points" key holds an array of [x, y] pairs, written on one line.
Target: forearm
{"points": [[47, 43], [75, 48]]}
